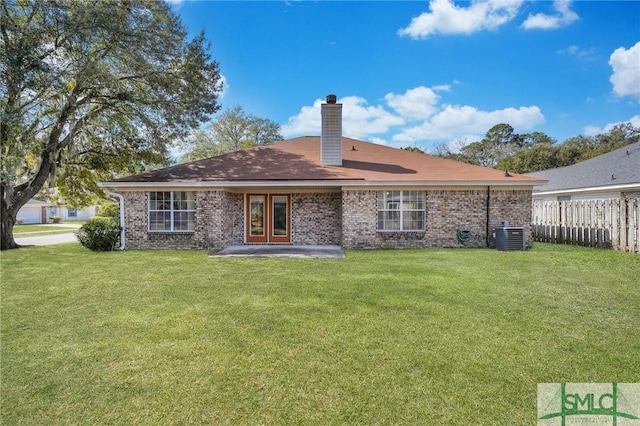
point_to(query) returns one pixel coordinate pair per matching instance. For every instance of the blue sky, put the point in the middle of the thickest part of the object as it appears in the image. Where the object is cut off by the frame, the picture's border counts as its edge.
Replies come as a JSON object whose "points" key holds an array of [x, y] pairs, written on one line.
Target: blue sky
{"points": [[422, 73]]}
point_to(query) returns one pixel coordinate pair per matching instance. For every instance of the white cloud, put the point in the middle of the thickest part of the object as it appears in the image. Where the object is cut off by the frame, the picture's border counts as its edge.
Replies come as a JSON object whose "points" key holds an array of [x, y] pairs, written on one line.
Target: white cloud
{"points": [[456, 120], [305, 123], [595, 130], [413, 117], [577, 51], [175, 3], [626, 71], [447, 18], [359, 120], [379, 141], [418, 103], [563, 16]]}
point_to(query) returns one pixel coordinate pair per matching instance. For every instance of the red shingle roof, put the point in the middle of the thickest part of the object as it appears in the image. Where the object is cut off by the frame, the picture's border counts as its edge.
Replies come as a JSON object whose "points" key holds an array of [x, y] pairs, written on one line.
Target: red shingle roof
{"points": [[299, 159]]}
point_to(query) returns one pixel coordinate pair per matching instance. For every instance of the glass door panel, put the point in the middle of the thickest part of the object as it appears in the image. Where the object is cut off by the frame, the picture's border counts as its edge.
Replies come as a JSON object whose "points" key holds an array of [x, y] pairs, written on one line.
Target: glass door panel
{"points": [[279, 219], [256, 218]]}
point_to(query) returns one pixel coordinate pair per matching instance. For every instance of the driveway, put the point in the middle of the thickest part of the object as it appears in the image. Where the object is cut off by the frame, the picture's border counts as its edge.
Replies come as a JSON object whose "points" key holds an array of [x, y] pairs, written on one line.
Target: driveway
{"points": [[45, 240]]}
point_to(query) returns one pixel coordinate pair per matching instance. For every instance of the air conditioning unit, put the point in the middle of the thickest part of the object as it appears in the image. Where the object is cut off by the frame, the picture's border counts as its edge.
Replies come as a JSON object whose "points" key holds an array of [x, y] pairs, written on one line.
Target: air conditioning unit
{"points": [[509, 238]]}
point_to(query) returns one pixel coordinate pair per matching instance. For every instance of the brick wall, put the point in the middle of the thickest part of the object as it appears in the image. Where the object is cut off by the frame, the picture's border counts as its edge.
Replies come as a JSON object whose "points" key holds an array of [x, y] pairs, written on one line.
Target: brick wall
{"points": [[214, 223], [349, 219], [446, 212], [513, 206], [236, 202], [315, 219], [360, 219]]}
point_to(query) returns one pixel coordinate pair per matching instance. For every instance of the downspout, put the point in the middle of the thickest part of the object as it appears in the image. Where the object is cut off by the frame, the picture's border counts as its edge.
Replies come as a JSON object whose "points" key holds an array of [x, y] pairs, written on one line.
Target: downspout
{"points": [[121, 204], [488, 207]]}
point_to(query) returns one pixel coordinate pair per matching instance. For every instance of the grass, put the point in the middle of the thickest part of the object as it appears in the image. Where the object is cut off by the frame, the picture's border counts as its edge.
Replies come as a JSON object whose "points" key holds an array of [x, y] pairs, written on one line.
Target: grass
{"points": [[382, 337], [38, 230]]}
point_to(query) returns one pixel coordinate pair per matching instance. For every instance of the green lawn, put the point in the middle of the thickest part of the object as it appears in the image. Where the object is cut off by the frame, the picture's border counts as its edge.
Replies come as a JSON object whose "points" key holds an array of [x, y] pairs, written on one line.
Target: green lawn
{"points": [[381, 337], [38, 230]]}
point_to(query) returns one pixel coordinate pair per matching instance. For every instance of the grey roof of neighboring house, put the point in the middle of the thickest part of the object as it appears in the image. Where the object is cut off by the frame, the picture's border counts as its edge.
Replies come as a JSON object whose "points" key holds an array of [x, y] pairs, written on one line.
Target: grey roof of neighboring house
{"points": [[619, 167]]}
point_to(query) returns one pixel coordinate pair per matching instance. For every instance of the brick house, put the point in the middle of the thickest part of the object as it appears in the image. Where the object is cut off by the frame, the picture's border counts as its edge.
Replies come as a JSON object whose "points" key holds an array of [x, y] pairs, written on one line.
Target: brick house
{"points": [[326, 190]]}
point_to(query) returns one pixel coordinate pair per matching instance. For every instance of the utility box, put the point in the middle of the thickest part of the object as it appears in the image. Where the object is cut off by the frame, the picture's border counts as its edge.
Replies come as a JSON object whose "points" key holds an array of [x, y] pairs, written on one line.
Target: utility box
{"points": [[509, 238]]}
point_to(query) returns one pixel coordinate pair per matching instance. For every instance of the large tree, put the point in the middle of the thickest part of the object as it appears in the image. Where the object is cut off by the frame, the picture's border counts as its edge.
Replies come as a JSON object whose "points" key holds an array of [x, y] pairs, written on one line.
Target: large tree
{"points": [[90, 89], [499, 142], [233, 130]]}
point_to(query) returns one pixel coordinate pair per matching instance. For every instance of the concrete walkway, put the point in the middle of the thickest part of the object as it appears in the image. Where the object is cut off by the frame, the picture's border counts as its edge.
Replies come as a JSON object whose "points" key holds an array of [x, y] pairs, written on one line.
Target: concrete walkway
{"points": [[327, 252]]}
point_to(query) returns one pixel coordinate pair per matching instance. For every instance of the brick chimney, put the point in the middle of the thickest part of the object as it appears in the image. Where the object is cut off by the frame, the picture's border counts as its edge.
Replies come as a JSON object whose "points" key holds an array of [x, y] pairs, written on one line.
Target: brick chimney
{"points": [[331, 135]]}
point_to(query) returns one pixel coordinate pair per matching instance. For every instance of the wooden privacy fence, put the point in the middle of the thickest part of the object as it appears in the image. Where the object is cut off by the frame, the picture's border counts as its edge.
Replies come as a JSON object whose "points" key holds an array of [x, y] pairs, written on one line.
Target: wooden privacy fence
{"points": [[612, 223]]}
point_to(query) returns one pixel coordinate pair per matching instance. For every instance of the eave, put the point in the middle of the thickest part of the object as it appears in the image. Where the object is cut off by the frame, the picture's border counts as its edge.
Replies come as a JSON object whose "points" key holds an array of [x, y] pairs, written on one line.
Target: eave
{"points": [[317, 184], [597, 189]]}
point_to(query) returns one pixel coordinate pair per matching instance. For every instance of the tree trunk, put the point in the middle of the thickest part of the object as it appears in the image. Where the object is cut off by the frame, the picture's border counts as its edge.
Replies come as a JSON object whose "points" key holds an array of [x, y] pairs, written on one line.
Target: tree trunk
{"points": [[8, 220]]}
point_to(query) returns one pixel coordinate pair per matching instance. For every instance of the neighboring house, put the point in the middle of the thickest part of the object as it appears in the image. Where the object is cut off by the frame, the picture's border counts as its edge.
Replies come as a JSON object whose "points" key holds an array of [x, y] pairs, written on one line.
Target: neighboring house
{"points": [[40, 211], [34, 211], [326, 190], [595, 202], [70, 213], [615, 174]]}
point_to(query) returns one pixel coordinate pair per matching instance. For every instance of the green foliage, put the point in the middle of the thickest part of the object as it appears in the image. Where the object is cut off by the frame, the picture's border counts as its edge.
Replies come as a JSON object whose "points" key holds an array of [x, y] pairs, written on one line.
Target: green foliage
{"points": [[89, 90], [530, 152], [234, 130], [99, 234], [111, 210], [413, 149]]}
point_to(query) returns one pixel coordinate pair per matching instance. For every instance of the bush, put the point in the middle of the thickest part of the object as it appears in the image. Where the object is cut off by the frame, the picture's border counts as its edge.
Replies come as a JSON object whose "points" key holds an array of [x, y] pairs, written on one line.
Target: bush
{"points": [[99, 234], [20, 221], [55, 219], [109, 210]]}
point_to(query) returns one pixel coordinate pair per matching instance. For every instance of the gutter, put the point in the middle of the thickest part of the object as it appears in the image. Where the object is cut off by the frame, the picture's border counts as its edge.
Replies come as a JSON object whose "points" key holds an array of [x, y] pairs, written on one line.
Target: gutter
{"points": [[317, 184], [608, 188], [121, 204]]}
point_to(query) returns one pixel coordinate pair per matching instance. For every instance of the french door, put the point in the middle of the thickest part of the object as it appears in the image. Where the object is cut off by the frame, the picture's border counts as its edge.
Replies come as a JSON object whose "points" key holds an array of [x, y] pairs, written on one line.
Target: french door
{"points": [[268, 218]]}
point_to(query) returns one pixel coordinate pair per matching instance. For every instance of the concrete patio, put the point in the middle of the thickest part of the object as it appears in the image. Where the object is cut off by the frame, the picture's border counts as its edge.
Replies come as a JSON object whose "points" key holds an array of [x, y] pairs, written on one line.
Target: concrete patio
{"points": [[326, 252]]}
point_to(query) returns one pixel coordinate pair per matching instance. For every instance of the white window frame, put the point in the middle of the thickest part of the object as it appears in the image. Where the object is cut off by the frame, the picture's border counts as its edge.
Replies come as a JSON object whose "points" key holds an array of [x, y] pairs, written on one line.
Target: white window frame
{"points": [[172, 211], [72, 212], [399, 204]]}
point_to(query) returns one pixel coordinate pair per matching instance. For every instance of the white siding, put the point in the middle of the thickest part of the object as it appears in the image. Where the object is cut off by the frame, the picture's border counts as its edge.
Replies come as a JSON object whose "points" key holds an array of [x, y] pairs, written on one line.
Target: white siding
{"points": [[30, 214], [331, 135]]}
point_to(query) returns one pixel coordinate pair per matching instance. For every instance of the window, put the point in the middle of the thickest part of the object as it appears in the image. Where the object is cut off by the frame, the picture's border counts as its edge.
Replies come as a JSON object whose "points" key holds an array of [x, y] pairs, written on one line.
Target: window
{"points": [[71, 212], [172, 211], [401, 211]]}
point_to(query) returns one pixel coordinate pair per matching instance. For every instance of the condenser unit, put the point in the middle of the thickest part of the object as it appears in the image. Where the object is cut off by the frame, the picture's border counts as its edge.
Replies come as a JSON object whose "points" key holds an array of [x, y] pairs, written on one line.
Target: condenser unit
{"points": [[509, 238]]}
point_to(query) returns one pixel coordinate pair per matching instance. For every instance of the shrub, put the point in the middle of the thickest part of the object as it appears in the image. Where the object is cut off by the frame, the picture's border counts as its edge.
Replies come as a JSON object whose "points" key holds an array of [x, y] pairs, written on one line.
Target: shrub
{"points": [[109, 210], [20, 221], [99, 234], [55, 219]]}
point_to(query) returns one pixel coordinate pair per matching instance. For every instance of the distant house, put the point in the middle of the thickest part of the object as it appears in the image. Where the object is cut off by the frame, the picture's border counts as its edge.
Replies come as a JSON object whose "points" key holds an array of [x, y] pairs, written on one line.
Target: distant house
{"points": [[615, 174], [321, 190], [40, 211]]}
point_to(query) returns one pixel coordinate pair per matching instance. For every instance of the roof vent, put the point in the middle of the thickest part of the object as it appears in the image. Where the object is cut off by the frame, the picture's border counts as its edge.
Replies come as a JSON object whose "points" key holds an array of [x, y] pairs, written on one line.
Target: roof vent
{"points": [[332, 99]]}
